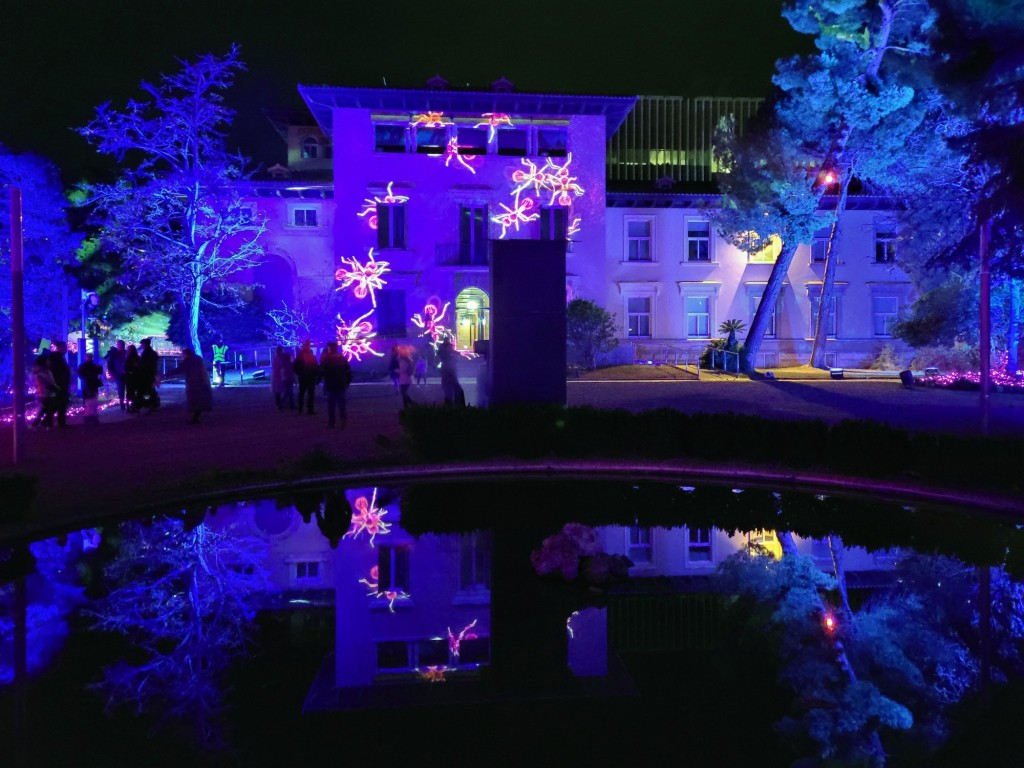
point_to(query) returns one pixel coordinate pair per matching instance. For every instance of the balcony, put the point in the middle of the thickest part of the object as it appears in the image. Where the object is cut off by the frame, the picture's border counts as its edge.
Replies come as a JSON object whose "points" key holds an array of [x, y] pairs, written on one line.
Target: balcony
{"points": [[457, 255]]}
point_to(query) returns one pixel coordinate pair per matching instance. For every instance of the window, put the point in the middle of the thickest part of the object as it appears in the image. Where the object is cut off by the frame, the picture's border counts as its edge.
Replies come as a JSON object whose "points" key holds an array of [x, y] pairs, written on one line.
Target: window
{"points": [[554, 222], [638, 239], [389, 137], [639, 548], [884, 310], [552, 142], [698, 545], [475, 562], [832, 316], [391, 312], [390, 225], [698, 317], [472, 141], [760, 249], [885, 248], [431, 141], [304, 217], [307, 570], [698, 240], [513, 141], [638, 317], [755, 302], [393, 568], [473, 235], [819, 245], [310, 148]]}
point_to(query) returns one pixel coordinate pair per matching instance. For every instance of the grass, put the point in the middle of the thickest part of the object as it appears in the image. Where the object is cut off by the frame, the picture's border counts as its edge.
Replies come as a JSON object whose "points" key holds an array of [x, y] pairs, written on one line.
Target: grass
{"points": [[672, 373]]}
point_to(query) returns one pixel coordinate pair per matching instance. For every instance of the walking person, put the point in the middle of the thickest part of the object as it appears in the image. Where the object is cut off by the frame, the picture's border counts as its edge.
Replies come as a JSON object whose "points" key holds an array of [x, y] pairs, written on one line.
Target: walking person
{"points": [[453, 392], [58, 363], [393, 366], [131, 378], [420, 371], [91, 375], [46, 390], [307, 371], [404, 376], [198, 390], [337, 375], [220, 357], [115, 359], [149, 364], [282, 378]]}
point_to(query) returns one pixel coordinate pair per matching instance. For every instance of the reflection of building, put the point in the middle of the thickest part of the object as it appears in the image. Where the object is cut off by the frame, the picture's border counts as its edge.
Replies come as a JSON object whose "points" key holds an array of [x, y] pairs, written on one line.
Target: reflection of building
{"points": [[429, 178]]}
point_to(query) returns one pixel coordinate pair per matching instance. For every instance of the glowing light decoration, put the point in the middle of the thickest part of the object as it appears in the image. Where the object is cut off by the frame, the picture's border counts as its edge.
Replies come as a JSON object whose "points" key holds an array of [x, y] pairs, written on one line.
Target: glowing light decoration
{"points": [[368, 518], [491, 121], [390, 595], [430, 323], [365, 277], [516, 215], [830, 623], [370, 205], [452, 152], [433, 674], [428, 119], [532, 176], [455, 641], [354, 339], [574, 228], [568, 624], [563, 186]]}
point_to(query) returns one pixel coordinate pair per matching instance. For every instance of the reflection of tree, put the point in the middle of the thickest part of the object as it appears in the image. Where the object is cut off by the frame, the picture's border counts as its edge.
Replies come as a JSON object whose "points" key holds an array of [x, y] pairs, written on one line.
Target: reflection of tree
{"points": [[186, 598]]}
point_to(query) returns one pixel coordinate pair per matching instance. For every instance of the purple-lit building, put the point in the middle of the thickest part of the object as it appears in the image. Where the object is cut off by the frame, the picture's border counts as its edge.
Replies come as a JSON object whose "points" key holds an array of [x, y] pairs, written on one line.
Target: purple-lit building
{"points": [[429, 178]]}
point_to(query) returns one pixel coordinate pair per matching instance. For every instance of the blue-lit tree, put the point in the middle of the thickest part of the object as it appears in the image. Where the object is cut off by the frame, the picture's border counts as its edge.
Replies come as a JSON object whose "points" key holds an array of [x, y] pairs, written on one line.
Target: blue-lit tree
{"points": [[177, 216], [49, 251], [186, 597]]}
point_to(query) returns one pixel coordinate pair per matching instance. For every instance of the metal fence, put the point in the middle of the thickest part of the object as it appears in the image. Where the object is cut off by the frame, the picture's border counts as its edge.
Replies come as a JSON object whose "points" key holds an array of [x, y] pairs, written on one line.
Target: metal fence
{"points": [[666, 354]]}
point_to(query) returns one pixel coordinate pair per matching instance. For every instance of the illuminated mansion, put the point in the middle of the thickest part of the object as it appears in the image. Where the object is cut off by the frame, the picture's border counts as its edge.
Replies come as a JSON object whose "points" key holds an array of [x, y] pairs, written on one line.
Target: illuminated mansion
{"points": [[396, 196]]}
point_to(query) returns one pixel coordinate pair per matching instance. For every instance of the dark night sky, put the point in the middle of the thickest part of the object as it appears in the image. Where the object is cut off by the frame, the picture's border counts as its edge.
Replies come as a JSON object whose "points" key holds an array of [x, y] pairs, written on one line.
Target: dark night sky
{"points": [[61, 58]]}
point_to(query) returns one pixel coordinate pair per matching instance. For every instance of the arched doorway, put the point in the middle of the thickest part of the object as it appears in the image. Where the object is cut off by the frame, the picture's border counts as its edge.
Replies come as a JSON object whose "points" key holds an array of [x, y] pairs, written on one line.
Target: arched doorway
{"points": [[472, 317]]}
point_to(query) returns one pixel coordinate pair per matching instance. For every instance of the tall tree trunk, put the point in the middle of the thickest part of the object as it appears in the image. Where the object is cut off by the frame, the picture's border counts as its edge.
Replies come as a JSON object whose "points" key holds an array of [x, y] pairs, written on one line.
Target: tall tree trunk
{"points": [[193, 318], [770, 297], [1013, 327], [838, 551], [828, 282]]}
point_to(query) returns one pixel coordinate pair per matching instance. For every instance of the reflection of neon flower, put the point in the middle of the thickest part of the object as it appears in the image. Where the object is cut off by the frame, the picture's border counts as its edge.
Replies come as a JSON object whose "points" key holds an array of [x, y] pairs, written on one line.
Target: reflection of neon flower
{"points": [[391, 595], [538, 178], [574, 228], [492, 120], [430, 322], [365, 277], [452, 151], [354, 339], [428, 119], [370, 205], [433, 674], [367, 517], [515, 215], [455, 643]]}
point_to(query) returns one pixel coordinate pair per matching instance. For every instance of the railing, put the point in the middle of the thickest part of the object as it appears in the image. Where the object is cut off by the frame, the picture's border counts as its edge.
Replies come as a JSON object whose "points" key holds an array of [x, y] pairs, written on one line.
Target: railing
{"points": [[452, 255], [666, 354], [724, 360]]}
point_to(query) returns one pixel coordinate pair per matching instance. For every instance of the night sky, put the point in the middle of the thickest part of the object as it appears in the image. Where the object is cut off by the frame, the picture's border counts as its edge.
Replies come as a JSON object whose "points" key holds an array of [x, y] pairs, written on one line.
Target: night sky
{"points": [[59, 59]]}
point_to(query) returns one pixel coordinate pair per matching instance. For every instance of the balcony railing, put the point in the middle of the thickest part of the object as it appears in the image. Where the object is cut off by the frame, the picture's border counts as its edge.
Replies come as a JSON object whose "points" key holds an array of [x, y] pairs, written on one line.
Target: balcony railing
{"points": [[454, 255]]}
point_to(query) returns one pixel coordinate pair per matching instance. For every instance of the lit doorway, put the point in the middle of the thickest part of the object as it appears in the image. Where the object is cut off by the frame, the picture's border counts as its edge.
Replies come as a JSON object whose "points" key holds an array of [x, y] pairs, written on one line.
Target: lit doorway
{"points": [[472, 315]]}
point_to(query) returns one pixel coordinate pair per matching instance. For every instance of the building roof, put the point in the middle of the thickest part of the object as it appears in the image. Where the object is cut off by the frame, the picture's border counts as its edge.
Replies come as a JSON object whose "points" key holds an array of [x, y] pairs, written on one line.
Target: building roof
{"points": [[322, 99]]}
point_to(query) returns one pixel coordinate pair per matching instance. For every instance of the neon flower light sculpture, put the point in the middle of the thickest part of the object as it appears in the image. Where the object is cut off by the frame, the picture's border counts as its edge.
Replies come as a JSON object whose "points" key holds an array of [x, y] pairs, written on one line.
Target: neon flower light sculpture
{"points": [[452, 152], [370, 205], [563, 186], [574, 228], [368, 518], [491, 121], [532, 176], [391, 595], [455, 642], [430, 323], [516, 215], [428, 119], [365, 277], [354, 339], [434, 674]]}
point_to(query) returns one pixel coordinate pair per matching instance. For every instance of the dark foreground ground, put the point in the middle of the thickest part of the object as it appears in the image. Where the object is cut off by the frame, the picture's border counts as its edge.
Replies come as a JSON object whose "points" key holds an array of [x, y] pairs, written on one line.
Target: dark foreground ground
{"points": [[133, 462]]}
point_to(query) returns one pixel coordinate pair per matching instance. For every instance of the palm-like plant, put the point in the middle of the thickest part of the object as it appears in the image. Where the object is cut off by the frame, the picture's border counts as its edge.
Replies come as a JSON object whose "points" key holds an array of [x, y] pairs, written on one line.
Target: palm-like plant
{"points": [[731, 327]]}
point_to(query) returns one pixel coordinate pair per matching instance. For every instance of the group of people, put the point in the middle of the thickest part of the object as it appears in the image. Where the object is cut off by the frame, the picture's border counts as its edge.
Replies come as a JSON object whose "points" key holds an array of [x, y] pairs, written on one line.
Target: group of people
{"points": [[306, 371], [403, 372], [135, 374]]}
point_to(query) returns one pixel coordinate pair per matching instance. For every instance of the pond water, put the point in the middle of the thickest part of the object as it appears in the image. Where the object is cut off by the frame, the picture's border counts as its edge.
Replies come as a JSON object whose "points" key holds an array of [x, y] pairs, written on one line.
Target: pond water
{"points": [[505, 621]]}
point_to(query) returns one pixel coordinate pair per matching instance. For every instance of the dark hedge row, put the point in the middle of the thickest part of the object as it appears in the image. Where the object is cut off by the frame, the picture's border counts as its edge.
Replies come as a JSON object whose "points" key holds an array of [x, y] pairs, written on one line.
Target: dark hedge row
{"points": [[858, 447]]}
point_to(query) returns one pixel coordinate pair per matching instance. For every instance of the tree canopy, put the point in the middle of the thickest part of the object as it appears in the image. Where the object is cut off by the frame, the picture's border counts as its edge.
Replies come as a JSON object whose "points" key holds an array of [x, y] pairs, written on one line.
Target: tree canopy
{"points": [[176, 214]]}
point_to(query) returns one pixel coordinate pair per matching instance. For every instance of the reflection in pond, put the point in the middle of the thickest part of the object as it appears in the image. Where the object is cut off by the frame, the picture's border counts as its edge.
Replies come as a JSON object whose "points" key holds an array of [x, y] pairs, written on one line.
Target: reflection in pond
{"points": [[580, 618]]}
